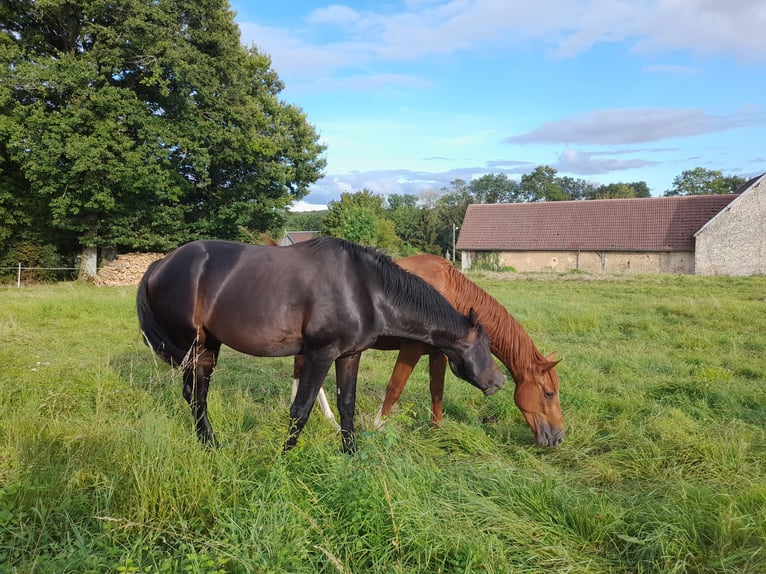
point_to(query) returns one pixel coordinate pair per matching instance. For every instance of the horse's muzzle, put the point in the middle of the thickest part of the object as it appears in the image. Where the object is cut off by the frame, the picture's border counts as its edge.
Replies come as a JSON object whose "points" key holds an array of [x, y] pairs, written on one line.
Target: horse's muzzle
{"points": [[495, 385], [547, 436], [491, 391]]}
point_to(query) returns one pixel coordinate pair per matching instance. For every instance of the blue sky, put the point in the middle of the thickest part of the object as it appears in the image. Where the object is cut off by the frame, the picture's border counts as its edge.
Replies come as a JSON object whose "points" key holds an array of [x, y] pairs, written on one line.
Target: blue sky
{"points": [[410, 95]]}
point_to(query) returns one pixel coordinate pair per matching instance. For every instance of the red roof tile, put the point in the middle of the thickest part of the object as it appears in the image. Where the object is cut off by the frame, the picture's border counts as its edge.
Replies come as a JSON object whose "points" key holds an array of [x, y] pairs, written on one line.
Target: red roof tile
{"points": [[641, 224]]}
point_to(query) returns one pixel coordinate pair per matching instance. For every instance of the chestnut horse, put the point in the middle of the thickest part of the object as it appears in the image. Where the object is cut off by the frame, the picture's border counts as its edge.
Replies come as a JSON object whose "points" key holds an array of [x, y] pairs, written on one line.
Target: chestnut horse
{"points": [[325, 299], [537, 384]]}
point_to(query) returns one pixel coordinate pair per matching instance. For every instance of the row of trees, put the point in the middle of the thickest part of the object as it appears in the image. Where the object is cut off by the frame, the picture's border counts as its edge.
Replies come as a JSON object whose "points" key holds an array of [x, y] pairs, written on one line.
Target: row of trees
{"points": [[140, 125], [403, 224]]}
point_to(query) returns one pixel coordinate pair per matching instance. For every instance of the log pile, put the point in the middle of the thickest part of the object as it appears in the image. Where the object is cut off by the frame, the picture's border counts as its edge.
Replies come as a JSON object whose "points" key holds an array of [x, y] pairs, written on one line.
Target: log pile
{"points": [[127, 269]]}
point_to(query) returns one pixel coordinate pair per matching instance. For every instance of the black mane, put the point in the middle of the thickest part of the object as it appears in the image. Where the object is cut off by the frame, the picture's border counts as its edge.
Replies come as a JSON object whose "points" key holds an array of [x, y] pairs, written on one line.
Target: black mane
{"points": [[401, 287]]}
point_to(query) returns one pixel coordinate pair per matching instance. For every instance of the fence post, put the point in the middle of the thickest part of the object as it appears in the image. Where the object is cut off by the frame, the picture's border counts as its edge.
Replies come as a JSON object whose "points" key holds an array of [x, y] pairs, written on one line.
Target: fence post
{"points": [[18, 278]]}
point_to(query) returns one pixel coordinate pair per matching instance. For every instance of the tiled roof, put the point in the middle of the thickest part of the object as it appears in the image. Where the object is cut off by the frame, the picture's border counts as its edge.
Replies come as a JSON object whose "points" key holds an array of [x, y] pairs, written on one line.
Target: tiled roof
{"points": [[640, 224]]}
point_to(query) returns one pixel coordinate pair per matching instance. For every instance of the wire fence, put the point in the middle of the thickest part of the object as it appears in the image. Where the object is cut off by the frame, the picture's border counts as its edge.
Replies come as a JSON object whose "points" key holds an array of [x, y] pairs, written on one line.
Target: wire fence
{"points": [[20, 269]]}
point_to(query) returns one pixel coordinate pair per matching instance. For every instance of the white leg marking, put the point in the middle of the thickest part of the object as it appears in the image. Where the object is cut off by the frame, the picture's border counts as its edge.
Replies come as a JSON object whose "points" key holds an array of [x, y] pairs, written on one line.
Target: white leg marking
{"points": [[379, 420], [325, 406]]}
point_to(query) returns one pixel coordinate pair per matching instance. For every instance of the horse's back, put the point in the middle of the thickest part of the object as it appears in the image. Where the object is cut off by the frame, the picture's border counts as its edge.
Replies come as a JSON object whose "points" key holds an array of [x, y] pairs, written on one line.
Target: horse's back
{"points": [[256, 299], [433, 269]]}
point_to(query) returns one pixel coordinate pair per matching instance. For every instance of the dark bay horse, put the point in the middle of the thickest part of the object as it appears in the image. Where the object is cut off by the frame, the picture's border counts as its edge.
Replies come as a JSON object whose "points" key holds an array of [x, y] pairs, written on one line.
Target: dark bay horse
{"points": [[537, 384], [325, 299]]}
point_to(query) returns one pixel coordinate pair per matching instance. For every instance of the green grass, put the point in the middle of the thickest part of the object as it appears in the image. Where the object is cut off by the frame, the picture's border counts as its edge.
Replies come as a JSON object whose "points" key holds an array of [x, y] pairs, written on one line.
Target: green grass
{"points": [[663, 468]]}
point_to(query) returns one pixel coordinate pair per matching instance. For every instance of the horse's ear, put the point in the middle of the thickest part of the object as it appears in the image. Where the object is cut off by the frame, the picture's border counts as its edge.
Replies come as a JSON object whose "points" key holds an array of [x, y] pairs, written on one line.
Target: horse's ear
{"points": [[551, 362], [472, 317], [266, 239]]}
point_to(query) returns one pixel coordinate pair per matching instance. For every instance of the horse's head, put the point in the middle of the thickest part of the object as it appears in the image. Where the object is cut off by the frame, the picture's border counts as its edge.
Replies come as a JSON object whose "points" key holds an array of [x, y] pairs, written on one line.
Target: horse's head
{"points": [[474, 363], [537, 396]]}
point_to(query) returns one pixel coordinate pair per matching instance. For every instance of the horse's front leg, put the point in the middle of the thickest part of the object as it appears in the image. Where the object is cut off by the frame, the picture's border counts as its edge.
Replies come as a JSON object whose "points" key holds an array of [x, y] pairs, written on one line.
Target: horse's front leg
{"points": [[321, 396], [346, 372], [196, 377], [437, 368], [409, 355], [312, 376]]}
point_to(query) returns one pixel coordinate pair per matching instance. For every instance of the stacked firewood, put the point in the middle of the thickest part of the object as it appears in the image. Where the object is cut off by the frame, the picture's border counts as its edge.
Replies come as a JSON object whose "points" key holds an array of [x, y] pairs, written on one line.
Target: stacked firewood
{"points": [[126, 269]]}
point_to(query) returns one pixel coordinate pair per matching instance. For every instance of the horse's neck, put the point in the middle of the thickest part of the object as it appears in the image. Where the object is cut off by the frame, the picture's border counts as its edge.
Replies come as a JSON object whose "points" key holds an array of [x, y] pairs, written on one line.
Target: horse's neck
{"points": [[413, 326], [509, 342]]}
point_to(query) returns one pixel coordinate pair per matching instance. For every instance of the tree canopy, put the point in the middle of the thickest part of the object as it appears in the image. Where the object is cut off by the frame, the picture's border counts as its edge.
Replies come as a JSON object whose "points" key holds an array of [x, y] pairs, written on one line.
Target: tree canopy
{"points": [[701, 181], [360, 217], [142, 125]]}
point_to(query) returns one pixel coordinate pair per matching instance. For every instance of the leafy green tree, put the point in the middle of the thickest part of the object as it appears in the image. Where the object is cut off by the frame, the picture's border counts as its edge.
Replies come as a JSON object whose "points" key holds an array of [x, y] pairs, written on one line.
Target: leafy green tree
{"points": [[360, 217], [701, 181], [453, 202], [428, 230], [494, 188], [305, 221], [575, 189], [404, 212], [619, 191], [614, 191], [450, 212], [640, 189], [143, 125], [541, 185]]}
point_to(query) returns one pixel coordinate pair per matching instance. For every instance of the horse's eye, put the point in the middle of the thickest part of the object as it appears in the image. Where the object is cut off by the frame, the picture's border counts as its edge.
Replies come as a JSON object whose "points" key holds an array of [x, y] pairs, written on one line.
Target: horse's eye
{"points": [[549, 394]]}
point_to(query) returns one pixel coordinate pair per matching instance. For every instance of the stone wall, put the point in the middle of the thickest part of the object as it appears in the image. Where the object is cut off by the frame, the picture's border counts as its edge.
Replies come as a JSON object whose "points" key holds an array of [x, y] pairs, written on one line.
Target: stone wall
{"points": [[592, 262], [734, 241]]}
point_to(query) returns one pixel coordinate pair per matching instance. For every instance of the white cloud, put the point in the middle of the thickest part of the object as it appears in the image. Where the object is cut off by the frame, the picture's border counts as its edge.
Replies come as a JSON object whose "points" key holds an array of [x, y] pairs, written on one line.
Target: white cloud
{"points": [[631, 126], [334, 14], [566, 27], [303, 206], [590, 163], [706, 27]]}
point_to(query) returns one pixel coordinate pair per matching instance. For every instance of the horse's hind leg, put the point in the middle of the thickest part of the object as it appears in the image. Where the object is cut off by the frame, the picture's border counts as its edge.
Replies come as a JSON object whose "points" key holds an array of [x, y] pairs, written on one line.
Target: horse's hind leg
{"points": [[197, 373]]}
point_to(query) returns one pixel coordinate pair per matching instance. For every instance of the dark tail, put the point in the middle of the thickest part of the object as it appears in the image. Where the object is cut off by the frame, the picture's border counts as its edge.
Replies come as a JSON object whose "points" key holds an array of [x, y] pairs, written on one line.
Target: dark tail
{"points": [[154, 333]]}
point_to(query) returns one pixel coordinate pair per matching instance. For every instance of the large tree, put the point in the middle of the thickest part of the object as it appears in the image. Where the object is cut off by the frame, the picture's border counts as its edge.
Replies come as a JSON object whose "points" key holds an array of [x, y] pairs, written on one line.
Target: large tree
{"points": [[142, 125], [620, 191], [541, 185], [701, 181], [405, 212], [494, 188], [360, 217]]}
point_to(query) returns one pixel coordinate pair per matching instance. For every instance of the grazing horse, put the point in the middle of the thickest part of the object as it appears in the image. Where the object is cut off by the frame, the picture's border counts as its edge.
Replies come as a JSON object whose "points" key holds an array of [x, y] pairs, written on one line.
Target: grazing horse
{"points": [[537, 384], [325, 299]]}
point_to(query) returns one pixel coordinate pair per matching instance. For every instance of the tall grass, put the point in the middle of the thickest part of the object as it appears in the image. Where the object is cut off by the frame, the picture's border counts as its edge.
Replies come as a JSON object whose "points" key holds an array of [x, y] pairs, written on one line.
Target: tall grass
{"points": [[663, 468]]}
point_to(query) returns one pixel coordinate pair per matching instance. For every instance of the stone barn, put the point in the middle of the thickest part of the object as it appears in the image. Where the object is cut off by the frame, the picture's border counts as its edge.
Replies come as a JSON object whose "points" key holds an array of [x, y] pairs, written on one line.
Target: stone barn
{"points": [[706, 234], [733, 242]]}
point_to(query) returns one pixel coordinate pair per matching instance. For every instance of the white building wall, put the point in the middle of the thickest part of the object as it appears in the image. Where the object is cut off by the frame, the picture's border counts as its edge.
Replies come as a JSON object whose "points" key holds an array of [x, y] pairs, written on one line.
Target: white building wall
{"points": [[734, 241]]}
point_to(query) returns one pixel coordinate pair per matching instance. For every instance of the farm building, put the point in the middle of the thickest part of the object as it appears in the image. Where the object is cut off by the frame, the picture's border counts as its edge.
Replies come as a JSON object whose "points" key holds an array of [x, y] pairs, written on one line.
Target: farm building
{"points": [[704, 234], [293, 237]]}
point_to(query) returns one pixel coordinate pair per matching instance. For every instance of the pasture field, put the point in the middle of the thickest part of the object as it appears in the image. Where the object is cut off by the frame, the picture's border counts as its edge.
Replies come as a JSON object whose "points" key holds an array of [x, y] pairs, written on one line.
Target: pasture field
{"points": [[663, 468]]}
